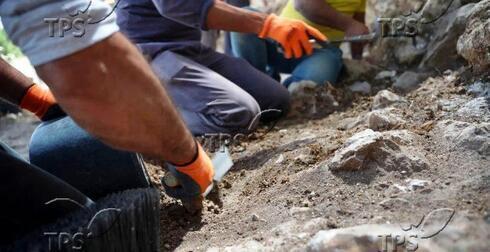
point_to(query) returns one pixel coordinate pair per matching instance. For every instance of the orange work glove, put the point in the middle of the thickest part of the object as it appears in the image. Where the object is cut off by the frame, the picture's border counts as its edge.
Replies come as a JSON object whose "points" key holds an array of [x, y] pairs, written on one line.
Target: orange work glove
{"points": [[293, 35], [38, 100], [194, 178]]}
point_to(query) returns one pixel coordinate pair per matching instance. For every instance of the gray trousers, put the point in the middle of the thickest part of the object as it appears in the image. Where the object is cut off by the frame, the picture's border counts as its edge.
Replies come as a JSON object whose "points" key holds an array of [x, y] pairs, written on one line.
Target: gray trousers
{"points": [[216, 93]]}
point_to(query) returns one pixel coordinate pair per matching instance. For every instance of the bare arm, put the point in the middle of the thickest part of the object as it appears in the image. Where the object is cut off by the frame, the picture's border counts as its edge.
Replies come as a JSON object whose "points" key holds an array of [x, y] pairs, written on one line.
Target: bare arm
{"points": [[357, 48], [223, 16], [318, 11], [110, 90], [14, 84]]}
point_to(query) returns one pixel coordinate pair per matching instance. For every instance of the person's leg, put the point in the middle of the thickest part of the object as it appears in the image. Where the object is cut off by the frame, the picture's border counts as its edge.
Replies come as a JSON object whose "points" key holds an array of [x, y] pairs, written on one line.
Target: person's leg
{"points": [[31, 197], [250, 48], [65, 150], [270, 94], [323, 66], [208, 102]]}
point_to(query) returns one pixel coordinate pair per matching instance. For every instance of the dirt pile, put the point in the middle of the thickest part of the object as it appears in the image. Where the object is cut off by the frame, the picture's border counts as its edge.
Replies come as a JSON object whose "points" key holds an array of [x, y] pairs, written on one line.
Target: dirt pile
{"points": [[308, 184]]}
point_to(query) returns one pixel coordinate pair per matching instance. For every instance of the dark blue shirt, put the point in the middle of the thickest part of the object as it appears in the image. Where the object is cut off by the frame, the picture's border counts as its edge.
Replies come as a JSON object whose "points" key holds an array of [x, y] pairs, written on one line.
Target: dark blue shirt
{"points": [[159, 25]]}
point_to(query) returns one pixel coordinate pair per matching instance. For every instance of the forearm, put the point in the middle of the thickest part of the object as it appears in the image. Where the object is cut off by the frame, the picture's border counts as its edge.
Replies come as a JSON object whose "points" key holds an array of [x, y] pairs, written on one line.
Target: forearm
{"points": [[110, 91], [14, 83], [223, 16], [319, 12], [358, 48]]}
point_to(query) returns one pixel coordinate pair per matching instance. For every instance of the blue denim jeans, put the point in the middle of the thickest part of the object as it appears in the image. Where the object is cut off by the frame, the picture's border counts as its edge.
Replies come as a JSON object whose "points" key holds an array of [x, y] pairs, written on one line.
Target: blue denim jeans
{"points": [[323, 66], [66, 162], [68, 152]]}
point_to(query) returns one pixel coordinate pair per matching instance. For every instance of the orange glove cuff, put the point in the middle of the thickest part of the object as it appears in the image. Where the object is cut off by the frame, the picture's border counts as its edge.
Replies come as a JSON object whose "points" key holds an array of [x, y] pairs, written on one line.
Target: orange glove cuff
{"points": [[201, 170], [293, 35], [37, 100], [267, 26]]}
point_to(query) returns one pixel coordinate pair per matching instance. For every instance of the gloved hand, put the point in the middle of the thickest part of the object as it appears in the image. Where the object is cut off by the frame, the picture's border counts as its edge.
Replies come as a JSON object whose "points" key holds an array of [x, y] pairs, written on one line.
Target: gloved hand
{"points": [[293, 35], [193, 178], [41, 102]]}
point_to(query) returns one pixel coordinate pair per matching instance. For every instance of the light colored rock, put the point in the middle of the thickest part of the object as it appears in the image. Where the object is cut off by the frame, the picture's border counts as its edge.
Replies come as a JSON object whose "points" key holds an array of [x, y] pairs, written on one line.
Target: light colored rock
{"points": [[385, 98], [437, 233], [280, 159], [479, 89], [409, 81], [362, 87], [370, 149], [441, 51], [298, 88], [312, 100], [475, 110], [383, 119], [385, 75], [414, 184], [474, 44], [352, 122], [464, 136]]}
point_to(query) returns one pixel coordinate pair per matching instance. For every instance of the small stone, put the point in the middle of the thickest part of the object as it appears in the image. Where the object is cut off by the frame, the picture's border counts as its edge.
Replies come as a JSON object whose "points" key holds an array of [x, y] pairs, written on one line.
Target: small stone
{"points": [[226, 184], [280, 159], [255, 217], [409, 81], [383, 119], [385, 75], [414, 184], [385, 98], [362, 87]]}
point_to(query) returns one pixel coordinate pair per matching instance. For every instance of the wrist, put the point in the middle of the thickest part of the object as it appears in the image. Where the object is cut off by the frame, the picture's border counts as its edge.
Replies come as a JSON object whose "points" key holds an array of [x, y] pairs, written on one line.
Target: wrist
{"points": [[185, 153], [259, 22]]}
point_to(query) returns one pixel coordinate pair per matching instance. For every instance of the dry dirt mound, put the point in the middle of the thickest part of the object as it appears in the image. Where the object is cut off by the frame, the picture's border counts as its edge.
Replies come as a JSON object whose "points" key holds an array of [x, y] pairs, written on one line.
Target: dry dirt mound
{"points": [[310, 175]]}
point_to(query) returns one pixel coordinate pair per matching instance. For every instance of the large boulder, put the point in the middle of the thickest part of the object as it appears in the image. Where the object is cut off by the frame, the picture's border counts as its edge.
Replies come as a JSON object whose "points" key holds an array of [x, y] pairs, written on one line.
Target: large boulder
{"points": [[463, 137], [370, 149], [441, 51], [436, 233], [474, 44], [440, 24]]}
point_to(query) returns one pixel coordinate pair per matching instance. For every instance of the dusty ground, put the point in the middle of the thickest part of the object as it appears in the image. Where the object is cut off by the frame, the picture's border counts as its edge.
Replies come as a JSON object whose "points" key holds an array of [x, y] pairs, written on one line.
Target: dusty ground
{"points": [[282, 176]]}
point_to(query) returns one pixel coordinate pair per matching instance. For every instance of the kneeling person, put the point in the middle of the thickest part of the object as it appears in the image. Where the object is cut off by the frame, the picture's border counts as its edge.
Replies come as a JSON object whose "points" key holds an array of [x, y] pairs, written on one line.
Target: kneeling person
{"points": [[214, 93], [334, 18]]}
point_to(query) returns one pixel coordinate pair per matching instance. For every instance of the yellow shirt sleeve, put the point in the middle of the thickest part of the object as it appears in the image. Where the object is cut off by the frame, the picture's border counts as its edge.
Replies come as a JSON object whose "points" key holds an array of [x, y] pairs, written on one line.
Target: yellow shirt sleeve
{"points": [[362, 7]]}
